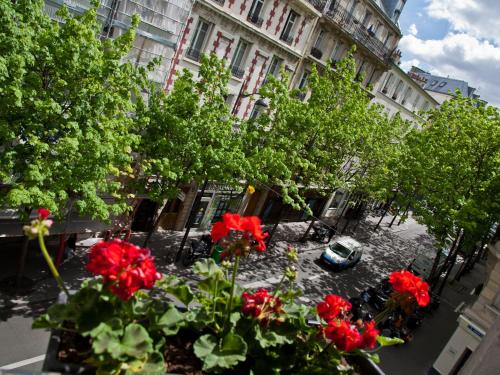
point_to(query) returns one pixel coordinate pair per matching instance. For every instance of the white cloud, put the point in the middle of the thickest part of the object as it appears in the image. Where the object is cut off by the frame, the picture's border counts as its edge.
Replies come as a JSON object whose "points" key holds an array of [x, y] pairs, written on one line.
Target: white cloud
{"points": [[460, 56], [412, 30], [479, 18]]}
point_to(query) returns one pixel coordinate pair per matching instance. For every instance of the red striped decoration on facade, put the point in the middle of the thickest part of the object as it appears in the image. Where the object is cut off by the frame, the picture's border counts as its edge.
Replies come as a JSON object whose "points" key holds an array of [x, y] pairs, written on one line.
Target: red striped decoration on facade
{"points": [[282, 17], [178, 53], [301, 29], [217, 41], [257, 83], [271, 14]]}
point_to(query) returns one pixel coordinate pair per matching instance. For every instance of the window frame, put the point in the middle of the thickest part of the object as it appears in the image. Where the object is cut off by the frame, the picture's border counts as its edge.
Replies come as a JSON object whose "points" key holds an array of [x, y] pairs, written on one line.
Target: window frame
{"points": [[287, 32], [195, 39]]}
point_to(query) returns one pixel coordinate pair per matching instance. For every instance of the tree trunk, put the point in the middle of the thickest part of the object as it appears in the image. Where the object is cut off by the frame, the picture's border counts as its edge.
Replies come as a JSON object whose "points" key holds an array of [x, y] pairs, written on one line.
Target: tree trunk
{"points": [[434, 275], [404, 213], [156, 224], [385, 212], [306, 233], [192, 214], [464, 265], [22, 262], [275, 226], [454, 259], [394, 218]]}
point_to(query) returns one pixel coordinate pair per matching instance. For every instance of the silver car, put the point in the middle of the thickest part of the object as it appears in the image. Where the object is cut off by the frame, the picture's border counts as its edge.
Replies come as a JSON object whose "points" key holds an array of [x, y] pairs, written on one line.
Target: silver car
{"points": [[343, 252]]}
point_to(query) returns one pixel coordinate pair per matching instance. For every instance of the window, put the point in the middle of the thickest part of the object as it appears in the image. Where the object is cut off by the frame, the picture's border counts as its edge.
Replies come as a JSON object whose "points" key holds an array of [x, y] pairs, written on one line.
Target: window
{"points": [[442, 84], [353, 7], [319, 39], [387, 41], [303, 80], [198, 42], [399, 87], [332, 5], [337, 199], [407, 95], [258, 108], [337, 51], [366, 18], [388, 83], [255, 10], [239, 59], [274, 68], [361, 69], [287, 34], [434, 82], [416, 101]]}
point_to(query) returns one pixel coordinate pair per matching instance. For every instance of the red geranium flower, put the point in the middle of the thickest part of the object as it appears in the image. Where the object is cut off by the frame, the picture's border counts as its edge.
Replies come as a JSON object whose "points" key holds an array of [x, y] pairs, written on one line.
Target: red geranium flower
{"points": [[127, 267], [249, 227], [369, 337], [43, 213], [344, 335], [405, 282], [332, 307], [260, 305]]}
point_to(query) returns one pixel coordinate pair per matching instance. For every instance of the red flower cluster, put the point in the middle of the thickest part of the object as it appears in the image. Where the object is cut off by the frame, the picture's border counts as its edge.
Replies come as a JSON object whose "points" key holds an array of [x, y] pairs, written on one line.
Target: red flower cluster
{"points": [[249, 225], [405, 282], [332, 307], [340, 330], [260, 305], [127, 267], [43, 213]]}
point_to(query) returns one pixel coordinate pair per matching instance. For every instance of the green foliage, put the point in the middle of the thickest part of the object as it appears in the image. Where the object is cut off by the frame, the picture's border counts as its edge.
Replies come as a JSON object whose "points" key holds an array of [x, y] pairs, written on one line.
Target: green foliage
{"points": [[450, 169], [220, 354], [65, 97], [336, 139], [188, 134]]}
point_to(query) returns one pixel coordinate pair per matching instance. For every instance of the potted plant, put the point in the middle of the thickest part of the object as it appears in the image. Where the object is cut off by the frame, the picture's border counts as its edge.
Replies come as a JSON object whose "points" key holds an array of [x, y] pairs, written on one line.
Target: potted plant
{"points": [[132, 319]]}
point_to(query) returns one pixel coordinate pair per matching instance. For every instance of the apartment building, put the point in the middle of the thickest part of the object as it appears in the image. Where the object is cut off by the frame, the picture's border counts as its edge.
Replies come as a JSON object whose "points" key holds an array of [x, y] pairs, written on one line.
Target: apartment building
{"points": [[255, 37], [397, 92], [157, 35]]}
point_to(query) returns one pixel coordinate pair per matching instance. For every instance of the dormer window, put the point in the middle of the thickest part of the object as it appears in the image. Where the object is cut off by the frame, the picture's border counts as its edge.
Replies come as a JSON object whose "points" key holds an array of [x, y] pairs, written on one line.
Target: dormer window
{"points": [[442, 84]]}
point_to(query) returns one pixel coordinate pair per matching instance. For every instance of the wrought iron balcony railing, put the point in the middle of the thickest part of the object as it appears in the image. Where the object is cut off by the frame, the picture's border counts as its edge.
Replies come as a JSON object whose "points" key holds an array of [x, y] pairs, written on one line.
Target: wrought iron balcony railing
{"points": [[255, 19], [193, 54], [220, 2], [237, 71], [353, 27], [317, 53], [288, 39]]}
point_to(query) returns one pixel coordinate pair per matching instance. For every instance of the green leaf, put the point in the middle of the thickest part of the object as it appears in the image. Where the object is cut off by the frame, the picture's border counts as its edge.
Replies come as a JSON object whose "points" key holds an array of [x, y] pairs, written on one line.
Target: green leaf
{"points": [[207, 268], [170, 321], [223, 354], [136, 341], [388, 341], [374, 357], [268, 338], [178, 288]]}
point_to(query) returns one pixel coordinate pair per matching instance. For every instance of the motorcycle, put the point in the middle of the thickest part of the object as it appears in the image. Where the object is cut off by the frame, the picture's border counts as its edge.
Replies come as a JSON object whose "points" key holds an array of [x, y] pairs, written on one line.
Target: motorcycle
{"points": [[322, 233], [199, 249]]}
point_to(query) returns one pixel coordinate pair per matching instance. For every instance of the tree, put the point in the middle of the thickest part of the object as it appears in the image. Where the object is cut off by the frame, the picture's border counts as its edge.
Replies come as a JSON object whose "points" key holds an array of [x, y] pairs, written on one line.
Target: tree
{"points": [[66, 135], [451, 169], [329, 142], [188, 134]]}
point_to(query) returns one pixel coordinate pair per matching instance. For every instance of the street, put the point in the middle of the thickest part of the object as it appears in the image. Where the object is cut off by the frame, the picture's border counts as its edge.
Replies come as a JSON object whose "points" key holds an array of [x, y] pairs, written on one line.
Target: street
{"points": [[385, 251]]}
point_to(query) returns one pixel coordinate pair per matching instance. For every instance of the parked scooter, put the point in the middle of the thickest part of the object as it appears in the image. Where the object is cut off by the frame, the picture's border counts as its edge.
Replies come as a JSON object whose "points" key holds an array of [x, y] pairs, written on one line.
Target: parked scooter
{"points": [[199, 249], [323, 233]]}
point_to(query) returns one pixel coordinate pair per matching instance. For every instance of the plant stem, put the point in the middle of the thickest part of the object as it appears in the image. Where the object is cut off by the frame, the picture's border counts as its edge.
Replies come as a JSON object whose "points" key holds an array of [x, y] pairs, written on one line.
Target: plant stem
{"points": [[278, 287], [230, 304], [215, 297], [53, 268], [381, 315]]}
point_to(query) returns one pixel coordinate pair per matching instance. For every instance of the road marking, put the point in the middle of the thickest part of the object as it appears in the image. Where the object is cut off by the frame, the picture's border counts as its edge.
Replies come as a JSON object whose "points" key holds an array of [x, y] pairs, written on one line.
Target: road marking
{"points": [[23, 363]]}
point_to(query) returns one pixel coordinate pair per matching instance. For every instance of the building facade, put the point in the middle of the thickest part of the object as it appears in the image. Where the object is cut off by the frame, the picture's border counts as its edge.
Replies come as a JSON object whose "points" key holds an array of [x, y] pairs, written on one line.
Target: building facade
{"points": [[397, 92]]}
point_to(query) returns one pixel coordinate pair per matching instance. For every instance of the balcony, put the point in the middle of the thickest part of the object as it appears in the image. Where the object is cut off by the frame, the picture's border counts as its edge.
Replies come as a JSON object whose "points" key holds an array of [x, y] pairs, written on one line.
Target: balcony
{"points": [[318, 4], [237, 71], [357, 31], [220, 2], [255, 19], [193, 54], [317, 53]]}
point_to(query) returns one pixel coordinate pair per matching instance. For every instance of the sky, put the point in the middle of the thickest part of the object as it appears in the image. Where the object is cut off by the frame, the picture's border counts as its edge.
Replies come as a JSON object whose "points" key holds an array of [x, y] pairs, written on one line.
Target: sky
{"points": [[455, 38]]}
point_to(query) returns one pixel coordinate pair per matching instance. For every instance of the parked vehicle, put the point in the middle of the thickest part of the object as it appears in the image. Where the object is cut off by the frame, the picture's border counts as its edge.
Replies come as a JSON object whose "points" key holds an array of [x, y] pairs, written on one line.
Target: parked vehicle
{"points": [[342, 253], [199, 249], [422, 264], [323, 233]]}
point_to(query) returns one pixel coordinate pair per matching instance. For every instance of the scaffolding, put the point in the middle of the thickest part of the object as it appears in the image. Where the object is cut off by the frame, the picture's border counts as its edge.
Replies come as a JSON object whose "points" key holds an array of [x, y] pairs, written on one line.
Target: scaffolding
{"points": [[158, 33]]}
